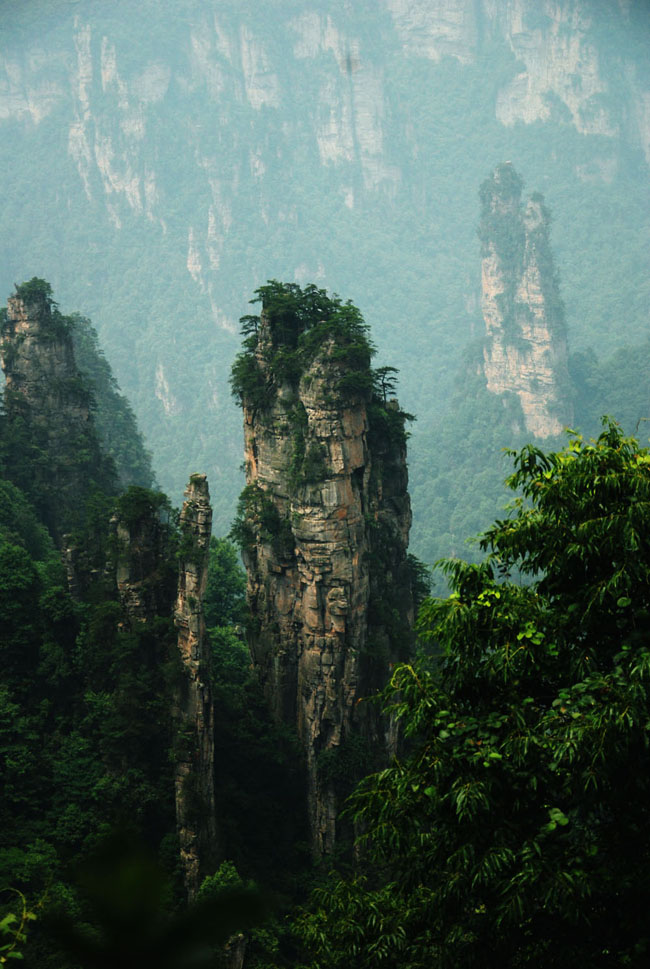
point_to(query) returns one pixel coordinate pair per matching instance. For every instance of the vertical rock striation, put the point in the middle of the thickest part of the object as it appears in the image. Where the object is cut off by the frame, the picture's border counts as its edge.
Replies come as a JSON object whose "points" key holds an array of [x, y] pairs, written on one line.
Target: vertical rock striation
{"points": [[324, 523], [526, 350], [194, 765]]}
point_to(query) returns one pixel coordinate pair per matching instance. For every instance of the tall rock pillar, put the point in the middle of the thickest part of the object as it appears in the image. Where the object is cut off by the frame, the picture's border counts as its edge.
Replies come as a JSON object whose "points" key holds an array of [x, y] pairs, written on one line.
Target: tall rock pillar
{"points": [[324, 523], [526, 349], [194, 765]]}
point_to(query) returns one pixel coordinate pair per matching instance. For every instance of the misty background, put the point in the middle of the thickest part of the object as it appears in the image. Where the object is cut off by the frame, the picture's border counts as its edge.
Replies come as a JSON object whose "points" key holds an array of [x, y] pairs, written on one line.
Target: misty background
{"points": [[161, 161]]}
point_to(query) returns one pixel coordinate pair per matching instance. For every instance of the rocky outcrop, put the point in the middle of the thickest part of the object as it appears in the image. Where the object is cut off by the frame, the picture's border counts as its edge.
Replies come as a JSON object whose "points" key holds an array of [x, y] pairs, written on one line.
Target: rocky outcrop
{"points": [[324, 520], [526, 351], [194, 764], [48, 410]]}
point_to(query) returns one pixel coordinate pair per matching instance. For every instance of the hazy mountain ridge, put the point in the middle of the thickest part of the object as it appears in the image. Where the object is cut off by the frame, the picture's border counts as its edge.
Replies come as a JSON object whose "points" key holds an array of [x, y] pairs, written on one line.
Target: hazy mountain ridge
{"points": [[194, 155]]}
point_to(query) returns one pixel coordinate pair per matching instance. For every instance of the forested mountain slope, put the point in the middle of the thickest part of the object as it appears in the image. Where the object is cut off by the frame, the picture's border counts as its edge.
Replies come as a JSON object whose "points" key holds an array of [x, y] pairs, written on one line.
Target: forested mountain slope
{"points": [[196, 149]]}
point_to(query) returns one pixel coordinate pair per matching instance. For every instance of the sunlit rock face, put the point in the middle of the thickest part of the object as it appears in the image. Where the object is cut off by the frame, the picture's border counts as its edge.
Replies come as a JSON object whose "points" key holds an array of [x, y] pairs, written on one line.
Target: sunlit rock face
{"points": [[319, 638], [526, 351]]}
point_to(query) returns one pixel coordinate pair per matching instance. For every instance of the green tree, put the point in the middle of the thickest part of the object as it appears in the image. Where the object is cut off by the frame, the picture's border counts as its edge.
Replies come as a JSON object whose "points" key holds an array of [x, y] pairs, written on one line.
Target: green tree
{"points": [[515, 830], [12, 930], [35, 290], [299, 322], [225, 597]]}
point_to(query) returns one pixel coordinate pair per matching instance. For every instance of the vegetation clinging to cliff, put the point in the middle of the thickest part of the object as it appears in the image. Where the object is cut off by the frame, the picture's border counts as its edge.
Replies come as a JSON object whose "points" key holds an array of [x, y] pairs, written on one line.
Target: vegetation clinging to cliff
{"points": [[35, 290], [511, 230], [258, 520], [295, 325], [38, 292]]}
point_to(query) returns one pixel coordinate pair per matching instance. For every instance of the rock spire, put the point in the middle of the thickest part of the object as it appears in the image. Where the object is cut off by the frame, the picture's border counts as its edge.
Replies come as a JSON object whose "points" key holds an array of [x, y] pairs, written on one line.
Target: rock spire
{"points": [[525, 351], [324, 523], [194, 765]]}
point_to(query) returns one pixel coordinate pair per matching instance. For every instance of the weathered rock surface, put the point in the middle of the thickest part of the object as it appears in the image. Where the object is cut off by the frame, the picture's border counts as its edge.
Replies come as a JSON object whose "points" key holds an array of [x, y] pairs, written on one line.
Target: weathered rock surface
{"points": [[333, 544], [194, 767], [526, 349], [36, 357]]}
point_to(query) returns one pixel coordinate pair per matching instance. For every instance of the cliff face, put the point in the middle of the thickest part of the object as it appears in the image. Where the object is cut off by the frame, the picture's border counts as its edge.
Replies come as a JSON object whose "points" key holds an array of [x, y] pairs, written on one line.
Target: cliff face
{"points": [[47, 407], [526, 351], [194, 765], [327, 516]]}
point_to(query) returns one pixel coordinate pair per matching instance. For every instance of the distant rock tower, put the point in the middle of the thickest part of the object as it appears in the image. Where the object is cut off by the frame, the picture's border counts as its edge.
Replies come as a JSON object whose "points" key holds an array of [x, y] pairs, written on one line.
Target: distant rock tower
{"points": [[526, 349], [324, 524]]}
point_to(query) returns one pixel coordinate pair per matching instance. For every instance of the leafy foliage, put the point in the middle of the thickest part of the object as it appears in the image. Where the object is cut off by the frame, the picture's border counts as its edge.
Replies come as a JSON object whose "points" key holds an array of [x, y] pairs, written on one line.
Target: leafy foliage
{"points": [[514, 831], [258, 520], [294, 326], [224, 603], [127, 895], [615, 385], [137, 503], [35, 291], [13, 931], [85, 698]]}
